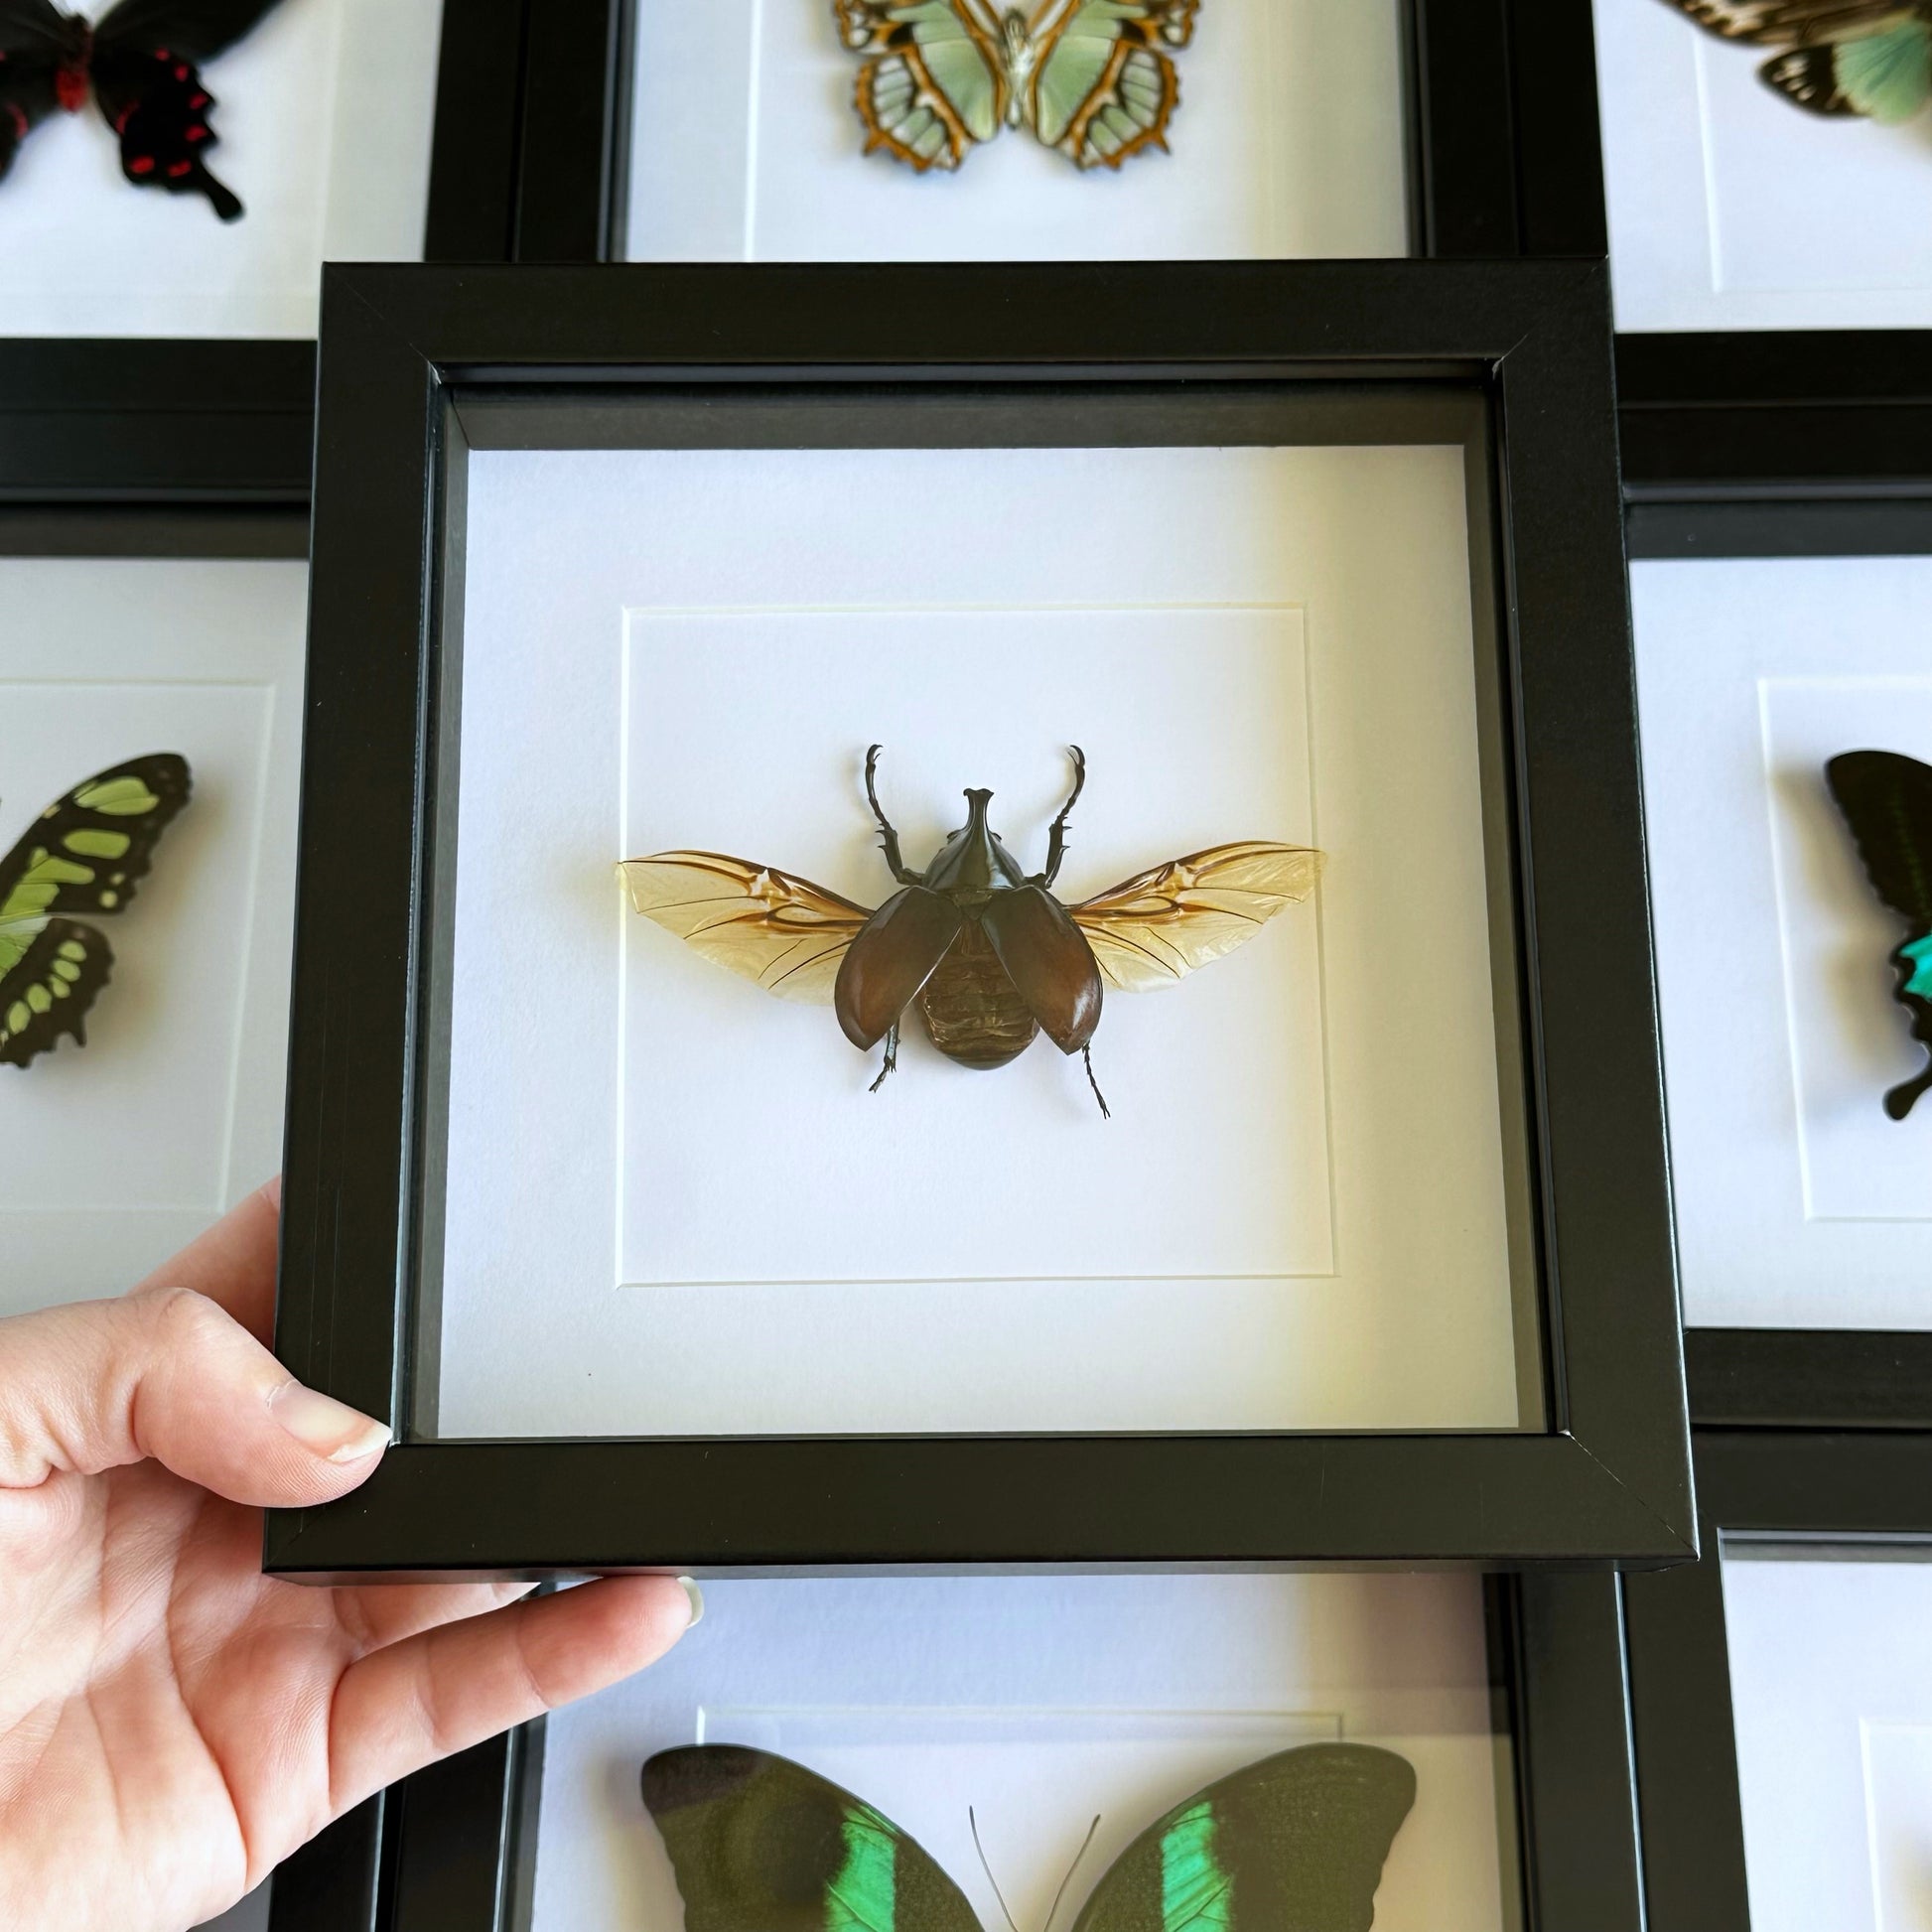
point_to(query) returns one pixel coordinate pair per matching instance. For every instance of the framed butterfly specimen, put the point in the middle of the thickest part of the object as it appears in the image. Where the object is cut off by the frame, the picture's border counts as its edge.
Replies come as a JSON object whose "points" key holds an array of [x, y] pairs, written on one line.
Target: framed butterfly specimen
{"points": [[1091, 79], [988, 954], [87, 853], [1887, 799], [142, 62], [1865, 58], [1293, 1844]]}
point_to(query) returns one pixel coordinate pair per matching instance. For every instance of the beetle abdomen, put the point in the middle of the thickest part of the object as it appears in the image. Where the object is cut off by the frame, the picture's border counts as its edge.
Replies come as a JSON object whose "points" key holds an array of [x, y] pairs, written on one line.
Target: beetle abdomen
{"points": [[972, 1010]]}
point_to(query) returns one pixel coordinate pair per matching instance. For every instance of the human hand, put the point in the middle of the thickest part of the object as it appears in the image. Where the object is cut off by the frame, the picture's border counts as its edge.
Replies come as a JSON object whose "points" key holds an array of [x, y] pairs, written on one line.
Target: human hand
{"points": [[173, 1723]]}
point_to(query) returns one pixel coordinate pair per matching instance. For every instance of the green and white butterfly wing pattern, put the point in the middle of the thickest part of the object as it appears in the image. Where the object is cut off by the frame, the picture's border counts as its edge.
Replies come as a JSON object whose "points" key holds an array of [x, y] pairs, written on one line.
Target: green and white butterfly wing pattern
{"points": [[759, 1844], [1293, 1844], [1867, 59], [1296, 1842], [85, 854], [1092, 79]]}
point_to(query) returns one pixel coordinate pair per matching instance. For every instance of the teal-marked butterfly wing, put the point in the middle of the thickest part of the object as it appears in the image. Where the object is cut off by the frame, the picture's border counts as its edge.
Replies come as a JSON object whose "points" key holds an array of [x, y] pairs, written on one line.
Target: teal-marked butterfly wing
{"points": [[1091, 79], [85, 853], [1866, 58], [1887, 799], [1293, 1844]]}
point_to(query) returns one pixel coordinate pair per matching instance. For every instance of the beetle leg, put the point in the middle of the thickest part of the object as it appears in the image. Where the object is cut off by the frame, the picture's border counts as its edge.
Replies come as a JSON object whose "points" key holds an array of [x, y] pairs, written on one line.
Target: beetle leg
{"points": [[1057, 838], [890, 842], [892, 1058], [1086, 1054]]}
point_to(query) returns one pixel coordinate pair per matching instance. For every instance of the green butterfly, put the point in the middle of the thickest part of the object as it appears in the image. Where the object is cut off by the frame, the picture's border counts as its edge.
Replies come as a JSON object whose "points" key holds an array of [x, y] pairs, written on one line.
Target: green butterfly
{"points": [[1090, 77], [1871, 57], [84, 854], [1293, 1844]]}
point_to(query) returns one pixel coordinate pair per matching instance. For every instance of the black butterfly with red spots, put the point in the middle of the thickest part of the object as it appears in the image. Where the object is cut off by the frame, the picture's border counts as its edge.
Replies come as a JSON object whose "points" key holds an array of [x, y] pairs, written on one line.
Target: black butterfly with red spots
{"points": [[142, 64]]}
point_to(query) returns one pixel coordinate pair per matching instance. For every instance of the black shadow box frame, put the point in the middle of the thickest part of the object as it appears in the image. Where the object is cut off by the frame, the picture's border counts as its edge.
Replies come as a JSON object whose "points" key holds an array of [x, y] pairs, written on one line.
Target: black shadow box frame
{"points": [[419, 366], [1491, 161], [454, 1849], [150, 420], [1775, 1485], [1798, 1378]]}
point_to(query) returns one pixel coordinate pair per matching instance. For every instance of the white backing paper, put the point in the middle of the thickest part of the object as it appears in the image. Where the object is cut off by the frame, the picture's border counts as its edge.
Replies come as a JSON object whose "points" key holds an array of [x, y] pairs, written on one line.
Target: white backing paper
{"points": [[323, 116], [1732, 208], [1040, 1702], [746, 146], [119, 1153], [672, 1206], [1832, 1696], [1799, 1201]]}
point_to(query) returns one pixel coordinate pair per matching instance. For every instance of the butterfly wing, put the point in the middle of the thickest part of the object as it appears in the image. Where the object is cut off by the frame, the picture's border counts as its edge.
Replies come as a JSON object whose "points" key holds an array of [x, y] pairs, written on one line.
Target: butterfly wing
{"points": [[759, 1842], [786, 934], [146, 61], [1157, 926], [1103, 88], [935, 84], [87, 853], [1886, 800], [1791, 23], [37, 41], [1293, 1844]]}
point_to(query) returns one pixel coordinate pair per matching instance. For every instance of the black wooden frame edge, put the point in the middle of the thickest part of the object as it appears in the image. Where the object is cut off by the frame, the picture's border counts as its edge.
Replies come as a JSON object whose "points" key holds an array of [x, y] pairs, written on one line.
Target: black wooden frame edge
{"points": [[1798, 1485], [1614, 1489], [453, 1849]]}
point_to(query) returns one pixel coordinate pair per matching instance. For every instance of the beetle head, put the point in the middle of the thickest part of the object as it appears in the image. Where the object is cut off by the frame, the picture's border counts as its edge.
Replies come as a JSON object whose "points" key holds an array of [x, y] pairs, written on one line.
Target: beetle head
{"points": [[973, 859]]}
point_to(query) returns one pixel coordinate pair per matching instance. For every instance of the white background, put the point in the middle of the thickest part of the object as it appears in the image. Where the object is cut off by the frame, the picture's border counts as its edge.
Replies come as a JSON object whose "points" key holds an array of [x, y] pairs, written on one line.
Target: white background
{"points": [[1832, 1684], [1799, 1202], [743, 1135], [1732, 208], [119, 1153], [1040, 1702], [746, 146], [324, 118]]}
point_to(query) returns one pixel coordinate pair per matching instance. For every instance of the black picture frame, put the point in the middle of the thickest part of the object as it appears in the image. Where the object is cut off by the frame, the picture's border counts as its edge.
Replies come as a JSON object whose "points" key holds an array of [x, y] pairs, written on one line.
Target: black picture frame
{"points": [[417, 363], [1495, 166], [454, 1849], [1781, 1486], [151, 420], [1797, 1378]]}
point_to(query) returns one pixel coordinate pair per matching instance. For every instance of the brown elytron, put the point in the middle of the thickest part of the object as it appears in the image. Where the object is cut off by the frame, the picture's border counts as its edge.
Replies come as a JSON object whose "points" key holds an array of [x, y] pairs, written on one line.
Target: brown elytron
{"points": [[986, 951]]}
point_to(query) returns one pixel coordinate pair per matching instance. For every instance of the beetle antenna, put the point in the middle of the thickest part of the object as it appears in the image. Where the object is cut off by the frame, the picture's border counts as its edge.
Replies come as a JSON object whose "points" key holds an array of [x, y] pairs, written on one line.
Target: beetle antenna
{"points": [[1086, 1054], [985, 1867], [1070, 1871]]}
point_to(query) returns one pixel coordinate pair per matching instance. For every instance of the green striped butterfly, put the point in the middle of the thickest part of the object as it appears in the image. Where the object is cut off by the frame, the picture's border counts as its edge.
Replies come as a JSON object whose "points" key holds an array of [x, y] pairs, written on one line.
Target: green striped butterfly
{"points": [[84, 854], [1090, 77], [1293, 1844], [1870, 57]]}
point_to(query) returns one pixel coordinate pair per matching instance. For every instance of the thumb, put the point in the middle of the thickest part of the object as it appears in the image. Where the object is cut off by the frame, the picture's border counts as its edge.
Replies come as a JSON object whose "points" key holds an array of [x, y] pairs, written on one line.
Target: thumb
{"points": [[167, 1373]]}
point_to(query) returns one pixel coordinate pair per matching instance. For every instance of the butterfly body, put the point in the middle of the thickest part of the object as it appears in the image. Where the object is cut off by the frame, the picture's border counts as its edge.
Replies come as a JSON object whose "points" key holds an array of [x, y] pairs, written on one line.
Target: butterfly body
{"points": [[986, 952], [1871, 58], [1293, 1844], [87, 853], [141, 64], [1886, 800], [1090, 79]]}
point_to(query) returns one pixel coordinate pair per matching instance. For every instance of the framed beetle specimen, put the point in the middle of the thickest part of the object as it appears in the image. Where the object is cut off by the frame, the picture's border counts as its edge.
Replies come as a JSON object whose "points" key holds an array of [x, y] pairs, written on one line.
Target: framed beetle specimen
{"points": [[1318, 1236], [1506, 1704]]}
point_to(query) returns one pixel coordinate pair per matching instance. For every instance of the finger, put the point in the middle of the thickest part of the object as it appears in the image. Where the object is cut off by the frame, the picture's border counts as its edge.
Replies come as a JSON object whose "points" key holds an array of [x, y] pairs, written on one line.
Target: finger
{"points": [[165, 1373], [234, 1263], [378, 1614], [451, 1688]]}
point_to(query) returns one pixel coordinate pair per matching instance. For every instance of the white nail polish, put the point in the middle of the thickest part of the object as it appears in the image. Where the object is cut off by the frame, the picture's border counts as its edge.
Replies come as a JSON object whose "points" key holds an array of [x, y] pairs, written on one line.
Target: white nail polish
{"points": [[691, 1589]]}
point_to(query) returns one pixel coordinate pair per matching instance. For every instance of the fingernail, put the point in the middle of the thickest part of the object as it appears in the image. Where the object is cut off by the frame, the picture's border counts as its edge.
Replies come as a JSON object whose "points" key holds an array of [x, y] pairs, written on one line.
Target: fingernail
{"points": [[328, 1427], [691, 1589]]}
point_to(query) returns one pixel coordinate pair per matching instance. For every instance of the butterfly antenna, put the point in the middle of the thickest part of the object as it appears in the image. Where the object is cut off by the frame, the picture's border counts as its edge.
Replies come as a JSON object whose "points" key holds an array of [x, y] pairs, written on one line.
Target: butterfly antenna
{"points": [[1053, 1909], [1086, 1054], [985, 1867]]}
